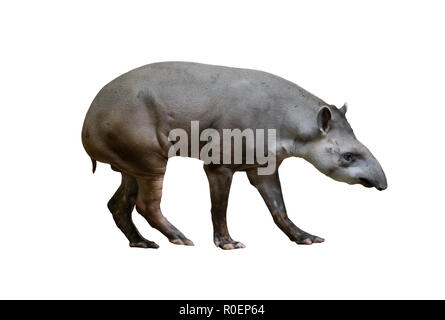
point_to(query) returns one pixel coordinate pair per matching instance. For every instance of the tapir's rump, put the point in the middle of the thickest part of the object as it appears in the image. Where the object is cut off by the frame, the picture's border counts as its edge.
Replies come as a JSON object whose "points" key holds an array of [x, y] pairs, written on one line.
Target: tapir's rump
{"points": [[130, 124]]}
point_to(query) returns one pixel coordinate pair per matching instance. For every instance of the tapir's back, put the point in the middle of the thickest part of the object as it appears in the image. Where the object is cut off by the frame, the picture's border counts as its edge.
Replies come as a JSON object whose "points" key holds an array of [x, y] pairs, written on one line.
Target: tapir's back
{"points": [[191, 91]]}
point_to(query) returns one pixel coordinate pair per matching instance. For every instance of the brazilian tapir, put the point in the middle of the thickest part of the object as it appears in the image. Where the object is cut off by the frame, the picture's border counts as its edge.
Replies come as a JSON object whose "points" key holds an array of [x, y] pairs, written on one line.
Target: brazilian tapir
{"points": [[129, 122]]}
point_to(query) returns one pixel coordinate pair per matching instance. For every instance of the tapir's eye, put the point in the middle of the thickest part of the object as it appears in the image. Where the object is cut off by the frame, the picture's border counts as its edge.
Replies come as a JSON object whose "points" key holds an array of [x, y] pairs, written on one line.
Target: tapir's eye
{"points": [[348, 156]]}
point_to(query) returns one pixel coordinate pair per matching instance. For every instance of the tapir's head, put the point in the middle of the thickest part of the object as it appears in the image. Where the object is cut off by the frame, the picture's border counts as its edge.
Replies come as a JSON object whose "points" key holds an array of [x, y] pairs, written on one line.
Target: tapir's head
{"points": [[337, 153]]}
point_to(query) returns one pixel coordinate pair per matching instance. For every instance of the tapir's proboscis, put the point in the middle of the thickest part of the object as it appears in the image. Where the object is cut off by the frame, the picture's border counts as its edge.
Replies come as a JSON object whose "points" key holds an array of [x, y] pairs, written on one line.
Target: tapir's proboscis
{"points": [[129, 122]]}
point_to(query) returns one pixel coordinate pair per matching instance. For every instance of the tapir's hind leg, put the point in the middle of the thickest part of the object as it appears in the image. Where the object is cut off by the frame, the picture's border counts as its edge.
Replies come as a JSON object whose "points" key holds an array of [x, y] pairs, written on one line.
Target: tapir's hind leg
{"points": [[270, 189], [220, 180], [121, 206], [148, 204]]}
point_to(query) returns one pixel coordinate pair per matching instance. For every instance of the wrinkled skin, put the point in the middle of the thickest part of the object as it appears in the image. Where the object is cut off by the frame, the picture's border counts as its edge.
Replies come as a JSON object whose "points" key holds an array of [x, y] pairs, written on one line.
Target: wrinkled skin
{"points": [[128, 124]]}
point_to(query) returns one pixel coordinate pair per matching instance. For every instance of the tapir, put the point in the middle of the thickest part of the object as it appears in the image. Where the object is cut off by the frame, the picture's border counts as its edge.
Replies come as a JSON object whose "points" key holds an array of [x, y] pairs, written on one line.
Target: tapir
{"points": [[129, 122]]}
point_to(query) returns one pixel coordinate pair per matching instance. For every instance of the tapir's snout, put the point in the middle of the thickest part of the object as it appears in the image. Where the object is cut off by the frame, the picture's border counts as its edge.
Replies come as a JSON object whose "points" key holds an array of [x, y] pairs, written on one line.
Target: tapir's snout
{"points": [[379, 185], [376, 177], [382, 186]]}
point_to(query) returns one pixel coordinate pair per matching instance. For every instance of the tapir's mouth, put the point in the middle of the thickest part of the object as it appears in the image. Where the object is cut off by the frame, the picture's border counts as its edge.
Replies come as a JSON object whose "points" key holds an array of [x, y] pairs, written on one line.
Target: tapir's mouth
{"points": [[365, 182]]}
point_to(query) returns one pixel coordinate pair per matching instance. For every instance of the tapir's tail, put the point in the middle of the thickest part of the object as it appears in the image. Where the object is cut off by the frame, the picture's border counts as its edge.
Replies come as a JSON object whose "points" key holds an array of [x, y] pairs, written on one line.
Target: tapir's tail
{"points": [[94, 164]]}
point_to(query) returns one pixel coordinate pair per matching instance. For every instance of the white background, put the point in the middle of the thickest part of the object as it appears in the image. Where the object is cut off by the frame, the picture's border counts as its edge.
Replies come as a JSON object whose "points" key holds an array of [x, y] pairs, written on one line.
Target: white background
{"points": [[385, 58]]}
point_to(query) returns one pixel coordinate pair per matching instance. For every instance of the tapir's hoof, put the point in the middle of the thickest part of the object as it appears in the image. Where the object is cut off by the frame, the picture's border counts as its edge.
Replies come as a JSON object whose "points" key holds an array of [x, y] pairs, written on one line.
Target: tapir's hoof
{"points": [[310, 240], [231, 246], [144, 244], [185, 242], [228, 244], [318, 240]]}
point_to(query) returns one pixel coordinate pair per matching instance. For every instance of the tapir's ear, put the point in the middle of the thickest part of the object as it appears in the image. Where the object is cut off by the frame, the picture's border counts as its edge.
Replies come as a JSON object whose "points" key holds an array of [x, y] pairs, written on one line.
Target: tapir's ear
{"points": [[323, 119], [344, 108]]}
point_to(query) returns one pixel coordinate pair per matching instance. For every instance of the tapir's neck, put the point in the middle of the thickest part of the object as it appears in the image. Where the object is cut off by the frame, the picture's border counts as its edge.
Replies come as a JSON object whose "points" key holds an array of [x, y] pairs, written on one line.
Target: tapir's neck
{"points": [[297, 130], [287, 148]]}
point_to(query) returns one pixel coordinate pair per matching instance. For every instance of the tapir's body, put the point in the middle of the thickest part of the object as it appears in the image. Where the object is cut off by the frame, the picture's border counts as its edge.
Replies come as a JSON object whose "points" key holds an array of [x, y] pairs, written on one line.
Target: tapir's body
{"points": [[129, 122]]}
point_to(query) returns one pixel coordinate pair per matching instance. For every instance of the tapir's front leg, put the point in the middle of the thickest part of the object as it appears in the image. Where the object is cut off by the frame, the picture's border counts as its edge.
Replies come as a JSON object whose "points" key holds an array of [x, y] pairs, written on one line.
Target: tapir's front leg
{"points": [[270, 189], [220, 180]]}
